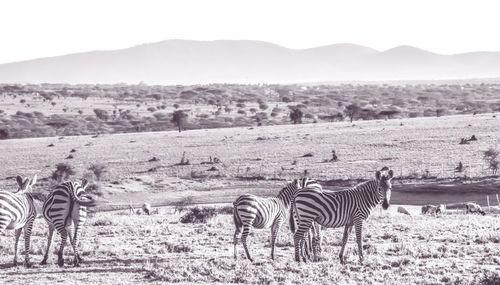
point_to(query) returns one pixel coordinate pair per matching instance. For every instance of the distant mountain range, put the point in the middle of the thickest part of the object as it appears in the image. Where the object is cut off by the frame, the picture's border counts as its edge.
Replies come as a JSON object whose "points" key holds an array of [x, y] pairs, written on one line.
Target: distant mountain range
{"points": [[225, 61]]}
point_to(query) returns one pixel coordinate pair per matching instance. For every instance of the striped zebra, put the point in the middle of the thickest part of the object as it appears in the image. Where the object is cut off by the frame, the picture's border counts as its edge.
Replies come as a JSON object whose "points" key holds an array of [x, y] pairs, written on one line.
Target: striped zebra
{"points": [[18, 212], [342, 208], [263, 213], [65, 206], [313, 236]]}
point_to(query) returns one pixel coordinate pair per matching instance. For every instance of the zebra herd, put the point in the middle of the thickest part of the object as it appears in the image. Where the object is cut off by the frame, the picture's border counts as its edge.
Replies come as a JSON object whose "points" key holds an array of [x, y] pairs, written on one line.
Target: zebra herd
{"points": [[304, 201], [310, 208], [65, 206]]}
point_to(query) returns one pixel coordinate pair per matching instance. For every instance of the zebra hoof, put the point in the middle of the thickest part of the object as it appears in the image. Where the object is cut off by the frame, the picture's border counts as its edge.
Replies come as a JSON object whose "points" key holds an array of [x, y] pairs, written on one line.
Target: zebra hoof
{"points": [[15, 263], [28, 264], [44, 262]]}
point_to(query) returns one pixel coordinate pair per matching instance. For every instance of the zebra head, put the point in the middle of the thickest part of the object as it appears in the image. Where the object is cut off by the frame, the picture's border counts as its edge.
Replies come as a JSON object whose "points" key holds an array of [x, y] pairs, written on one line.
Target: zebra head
{"points": [[25, 185], [384, 178]]}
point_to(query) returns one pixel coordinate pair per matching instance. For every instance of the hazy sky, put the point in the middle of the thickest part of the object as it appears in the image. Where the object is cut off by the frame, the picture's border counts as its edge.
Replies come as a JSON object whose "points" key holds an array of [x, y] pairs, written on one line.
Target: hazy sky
{"points": [[32, 29]]}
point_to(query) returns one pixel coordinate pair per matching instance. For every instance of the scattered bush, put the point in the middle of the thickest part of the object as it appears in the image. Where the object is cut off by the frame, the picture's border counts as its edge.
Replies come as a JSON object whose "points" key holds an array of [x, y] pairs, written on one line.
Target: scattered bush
{"points": [[63, 172], [198, 215], [99, 170]]}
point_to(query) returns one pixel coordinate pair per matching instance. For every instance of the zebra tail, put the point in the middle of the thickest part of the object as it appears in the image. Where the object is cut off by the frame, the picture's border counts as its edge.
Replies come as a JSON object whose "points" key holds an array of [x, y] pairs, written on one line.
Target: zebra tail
{"points": [[291, 220], [236, 216]]}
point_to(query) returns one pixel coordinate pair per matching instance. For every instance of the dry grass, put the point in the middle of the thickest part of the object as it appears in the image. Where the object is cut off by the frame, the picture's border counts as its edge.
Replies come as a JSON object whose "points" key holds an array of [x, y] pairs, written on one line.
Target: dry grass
{"points": [[399, 249]]}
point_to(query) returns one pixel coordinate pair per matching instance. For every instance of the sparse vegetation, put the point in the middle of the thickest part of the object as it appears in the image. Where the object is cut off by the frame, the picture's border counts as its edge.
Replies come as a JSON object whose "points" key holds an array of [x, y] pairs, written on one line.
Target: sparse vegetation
{"points": [[139, 105], [198, 215], [63, 172]]}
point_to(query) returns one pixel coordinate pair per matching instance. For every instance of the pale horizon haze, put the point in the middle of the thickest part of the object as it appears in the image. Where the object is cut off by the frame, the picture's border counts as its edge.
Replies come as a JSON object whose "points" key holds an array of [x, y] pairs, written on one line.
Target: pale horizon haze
{"points": [[36, 29]]}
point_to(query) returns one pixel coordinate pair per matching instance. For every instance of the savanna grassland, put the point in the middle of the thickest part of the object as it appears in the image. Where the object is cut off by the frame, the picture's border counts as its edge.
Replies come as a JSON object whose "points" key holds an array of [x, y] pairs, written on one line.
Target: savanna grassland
{"points": [[120, 248], [166, 168]]}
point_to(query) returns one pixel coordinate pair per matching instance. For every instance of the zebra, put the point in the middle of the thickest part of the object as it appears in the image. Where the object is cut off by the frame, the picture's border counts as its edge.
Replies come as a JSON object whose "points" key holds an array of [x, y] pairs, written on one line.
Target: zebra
{"points": [[471, 207], [341, 208], [313, 236], [66, 205], [18, 212], [263, 213], [146, 208]]}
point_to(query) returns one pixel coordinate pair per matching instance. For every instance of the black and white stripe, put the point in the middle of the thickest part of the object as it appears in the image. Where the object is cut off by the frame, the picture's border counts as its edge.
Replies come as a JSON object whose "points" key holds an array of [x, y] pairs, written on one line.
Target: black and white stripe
{"points": [[262, 213], [342, 208], [18, 212], [65, 206]]}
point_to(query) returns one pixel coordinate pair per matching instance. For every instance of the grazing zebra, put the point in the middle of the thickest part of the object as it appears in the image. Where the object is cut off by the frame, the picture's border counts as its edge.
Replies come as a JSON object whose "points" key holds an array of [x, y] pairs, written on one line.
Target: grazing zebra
{"points": [[18, 212], [66, 205], [473, 208], [262, 213], [342, 208], [146, 208]]}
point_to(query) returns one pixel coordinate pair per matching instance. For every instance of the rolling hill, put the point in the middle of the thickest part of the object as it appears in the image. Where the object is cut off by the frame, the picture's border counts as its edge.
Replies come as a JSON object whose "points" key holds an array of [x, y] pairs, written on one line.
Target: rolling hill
{"points": [[225, 61]]}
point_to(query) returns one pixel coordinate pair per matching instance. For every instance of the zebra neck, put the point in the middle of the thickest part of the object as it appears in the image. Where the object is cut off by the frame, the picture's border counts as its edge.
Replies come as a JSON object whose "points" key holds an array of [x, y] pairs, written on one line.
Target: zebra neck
{"points": [[285, 196], [376, 195]]}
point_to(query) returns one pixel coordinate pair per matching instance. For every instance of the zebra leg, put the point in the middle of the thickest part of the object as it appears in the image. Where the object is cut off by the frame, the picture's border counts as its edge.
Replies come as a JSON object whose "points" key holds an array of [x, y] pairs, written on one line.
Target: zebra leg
{"points": [[74, 243], [246, 231], [27, 238], [299, 239], [347, 230], [49, 243], [236, 240], [275, 228], [60, 257], [316, 241], [358, 225], [17, 235]]}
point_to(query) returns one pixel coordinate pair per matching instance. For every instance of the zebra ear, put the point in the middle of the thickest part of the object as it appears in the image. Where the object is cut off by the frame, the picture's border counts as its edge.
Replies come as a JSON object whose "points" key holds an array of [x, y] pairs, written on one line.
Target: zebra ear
{"points": [[391, 174], [377, 175], [33, 181], [85, 183], [19, 181]]}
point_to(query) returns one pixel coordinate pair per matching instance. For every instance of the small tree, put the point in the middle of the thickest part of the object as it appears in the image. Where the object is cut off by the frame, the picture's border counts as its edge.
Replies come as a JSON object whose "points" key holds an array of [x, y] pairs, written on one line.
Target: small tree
{"points": [[63, 172], [351, 111], [296, 115], [491, 158], [4, 134], [263, 106], [179, 118], [101, 114], [440, 112]]}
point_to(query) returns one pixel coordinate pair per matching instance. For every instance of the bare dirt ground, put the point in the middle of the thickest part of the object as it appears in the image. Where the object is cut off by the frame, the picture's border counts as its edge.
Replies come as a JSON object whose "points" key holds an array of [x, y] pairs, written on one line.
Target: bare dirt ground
{"points": [[119, 248]]}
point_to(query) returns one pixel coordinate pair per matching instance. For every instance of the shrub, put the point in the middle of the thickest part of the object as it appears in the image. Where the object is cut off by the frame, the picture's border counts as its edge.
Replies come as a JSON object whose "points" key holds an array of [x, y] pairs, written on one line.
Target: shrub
{"points": [[198, 215], [491, 158], [98, 170], [63, 172], [177, 248], [151, 109], [101, 114], [4, 134], [296, 115], [263, 106]]}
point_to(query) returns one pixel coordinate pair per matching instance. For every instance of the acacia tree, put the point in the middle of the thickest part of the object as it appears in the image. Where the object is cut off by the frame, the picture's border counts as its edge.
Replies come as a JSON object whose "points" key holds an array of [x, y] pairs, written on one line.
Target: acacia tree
{"points": [[179, 118], [351, 111], [296, 115]]}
